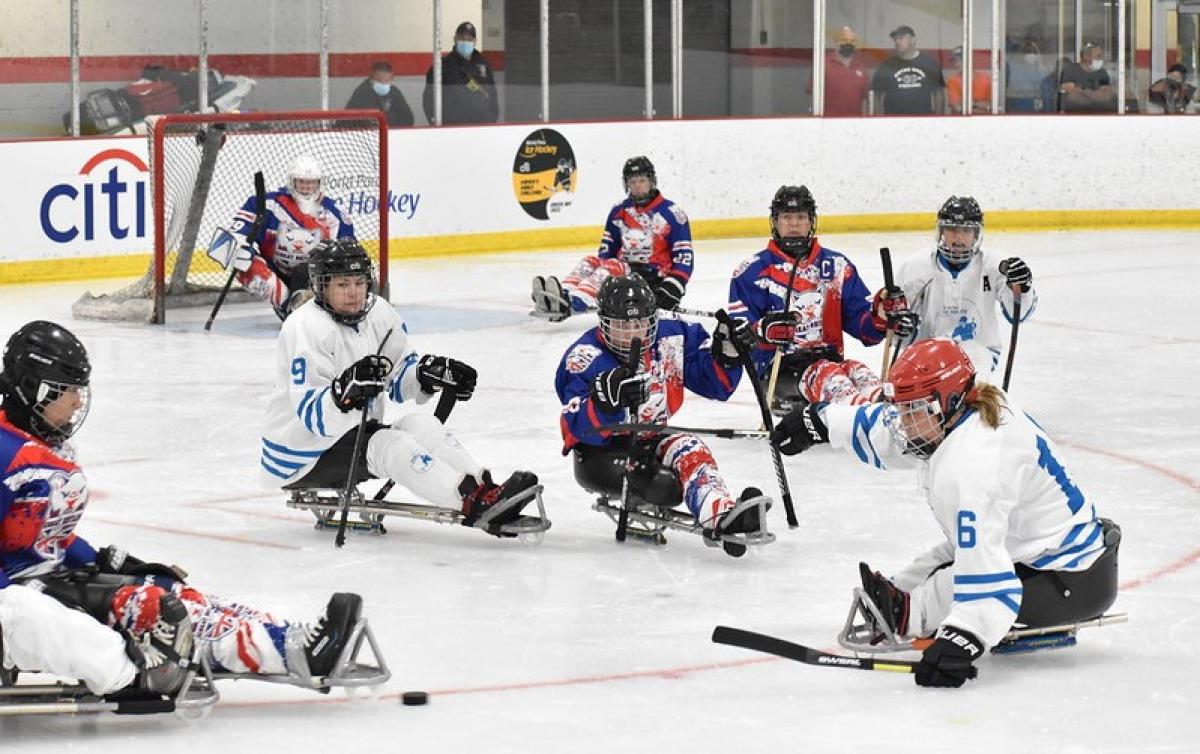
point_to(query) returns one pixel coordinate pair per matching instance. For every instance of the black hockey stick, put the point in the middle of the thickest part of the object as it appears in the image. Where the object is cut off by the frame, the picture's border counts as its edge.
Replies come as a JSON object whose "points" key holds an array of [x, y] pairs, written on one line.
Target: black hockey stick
{"points": [[445, 405], [635, 362], [768, 423], [1012, 341], [889, 285], [736, 637], [683, 310], [636, 427], [358, 438], [260, 218]]}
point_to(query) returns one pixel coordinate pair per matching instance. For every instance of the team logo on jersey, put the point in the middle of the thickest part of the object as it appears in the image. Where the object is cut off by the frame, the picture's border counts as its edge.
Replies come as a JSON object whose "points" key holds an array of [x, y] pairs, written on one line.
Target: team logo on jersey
{"points": [[545, 174], [421, 461], [64, 506], [581, 357], [964, 330]]}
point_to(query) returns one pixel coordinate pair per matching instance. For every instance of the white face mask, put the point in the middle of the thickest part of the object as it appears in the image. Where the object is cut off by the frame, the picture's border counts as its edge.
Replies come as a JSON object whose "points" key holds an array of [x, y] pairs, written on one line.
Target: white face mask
{"points": [[1032, 58], [1097, 65]]}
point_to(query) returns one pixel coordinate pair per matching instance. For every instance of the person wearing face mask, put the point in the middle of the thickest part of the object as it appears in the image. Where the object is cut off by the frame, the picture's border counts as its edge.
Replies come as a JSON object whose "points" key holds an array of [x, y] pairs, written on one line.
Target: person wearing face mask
{"points": [[468, 83], [1084, 86], [1026, 73], [908, 83], [1171, 94], [846, 77], [377, 92], [981, 87]]}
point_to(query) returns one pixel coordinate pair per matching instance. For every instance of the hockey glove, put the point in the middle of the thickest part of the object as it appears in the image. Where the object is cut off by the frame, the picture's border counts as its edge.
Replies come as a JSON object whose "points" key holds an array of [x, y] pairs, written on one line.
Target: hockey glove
{"points": [[777, 328], [889, 303], [354, 388], [801, 359], [1017, 274], [443, 373], [669, 293], [947, 661], [906, 323], [112, 559], [728, 342], [800, 430], [620, 388]]}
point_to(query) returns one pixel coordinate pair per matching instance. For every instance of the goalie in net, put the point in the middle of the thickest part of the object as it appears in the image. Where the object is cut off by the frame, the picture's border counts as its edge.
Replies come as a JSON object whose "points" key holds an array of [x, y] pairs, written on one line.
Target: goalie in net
{"points": [[330, 180]]}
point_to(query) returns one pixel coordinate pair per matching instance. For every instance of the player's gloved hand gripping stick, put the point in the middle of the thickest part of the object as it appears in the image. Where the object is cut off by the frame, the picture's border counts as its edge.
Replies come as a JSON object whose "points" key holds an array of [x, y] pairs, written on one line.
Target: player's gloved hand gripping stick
{"points": [[358, 438]]}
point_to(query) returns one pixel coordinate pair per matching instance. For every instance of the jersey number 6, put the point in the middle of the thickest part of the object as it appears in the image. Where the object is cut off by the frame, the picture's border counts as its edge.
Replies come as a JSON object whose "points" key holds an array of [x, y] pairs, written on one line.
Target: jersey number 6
{"points": [[966, 532]]}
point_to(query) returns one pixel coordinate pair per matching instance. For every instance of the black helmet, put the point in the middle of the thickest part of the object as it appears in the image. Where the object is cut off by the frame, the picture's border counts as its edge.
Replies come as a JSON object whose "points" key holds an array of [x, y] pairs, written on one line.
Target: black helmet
{"points": [[341, 257], [628, 310], [794, 199], [636, 166], [43, 360], [959, 212]]}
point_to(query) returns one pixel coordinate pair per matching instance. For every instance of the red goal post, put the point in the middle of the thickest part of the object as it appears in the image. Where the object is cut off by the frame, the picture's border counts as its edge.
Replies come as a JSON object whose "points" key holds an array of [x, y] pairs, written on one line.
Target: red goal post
{"points": [[202, 171]]}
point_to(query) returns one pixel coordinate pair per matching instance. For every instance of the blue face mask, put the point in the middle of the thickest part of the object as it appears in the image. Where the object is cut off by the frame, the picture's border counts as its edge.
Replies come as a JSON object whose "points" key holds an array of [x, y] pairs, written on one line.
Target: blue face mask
{"points": [[380, 88], [464, 47]]}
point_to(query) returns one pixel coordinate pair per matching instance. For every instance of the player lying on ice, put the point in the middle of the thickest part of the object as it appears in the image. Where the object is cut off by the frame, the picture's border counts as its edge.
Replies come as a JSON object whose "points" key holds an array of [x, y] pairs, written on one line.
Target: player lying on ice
{"points": [[104, 617], [1024, 546], [799, 297], [647, 234], [598, 387], [338, 352]]}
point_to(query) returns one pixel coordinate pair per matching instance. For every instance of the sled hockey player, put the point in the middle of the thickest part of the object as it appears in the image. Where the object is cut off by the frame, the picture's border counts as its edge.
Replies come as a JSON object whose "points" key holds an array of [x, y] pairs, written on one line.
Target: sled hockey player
{"points": [[101, 616], [274, 265], [646, 234], [1023, 544], [954, 291], [336, 354], [826, 298], [597, 387]]}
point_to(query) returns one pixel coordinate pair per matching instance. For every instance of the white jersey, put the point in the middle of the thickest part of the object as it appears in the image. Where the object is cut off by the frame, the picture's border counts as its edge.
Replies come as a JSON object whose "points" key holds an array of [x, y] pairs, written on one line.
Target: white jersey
{"points": [[962, 305], [312, 350], [1000, 495]]}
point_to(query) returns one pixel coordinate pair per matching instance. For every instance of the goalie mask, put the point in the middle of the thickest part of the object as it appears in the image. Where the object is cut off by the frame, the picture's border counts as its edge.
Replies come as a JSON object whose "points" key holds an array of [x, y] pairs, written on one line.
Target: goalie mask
{"points": [[959, 230], [628, 310], [792, 200], [929, 385], [304, 181], [45, 381], [342, 279], [640, 167]]}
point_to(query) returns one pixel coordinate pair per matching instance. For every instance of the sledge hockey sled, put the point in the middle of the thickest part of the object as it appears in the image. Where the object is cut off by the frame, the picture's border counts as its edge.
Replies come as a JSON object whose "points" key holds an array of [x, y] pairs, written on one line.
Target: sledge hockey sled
{"points": [[866, 631], [649, 522], [550, 301], [326, 506], [196, 697]]}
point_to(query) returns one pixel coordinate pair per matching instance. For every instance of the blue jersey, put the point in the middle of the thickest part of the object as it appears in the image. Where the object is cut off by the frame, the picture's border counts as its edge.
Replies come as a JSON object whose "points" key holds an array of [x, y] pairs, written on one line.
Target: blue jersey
{"points": [[656, 235], [679, 358], [42, 497], [289, 234], [827, 294]]}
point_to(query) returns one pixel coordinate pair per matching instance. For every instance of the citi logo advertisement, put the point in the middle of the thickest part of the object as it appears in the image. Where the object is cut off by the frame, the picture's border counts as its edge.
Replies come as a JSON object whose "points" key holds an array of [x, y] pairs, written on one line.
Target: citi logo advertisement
{"points": [[107, 201]]}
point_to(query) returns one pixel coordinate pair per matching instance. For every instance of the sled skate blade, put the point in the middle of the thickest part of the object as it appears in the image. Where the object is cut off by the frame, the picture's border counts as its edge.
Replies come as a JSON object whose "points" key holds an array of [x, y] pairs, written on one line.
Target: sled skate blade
{"points": [[348, 671], [550, 301], [1032, 639], [872, 634], [521, 525]]}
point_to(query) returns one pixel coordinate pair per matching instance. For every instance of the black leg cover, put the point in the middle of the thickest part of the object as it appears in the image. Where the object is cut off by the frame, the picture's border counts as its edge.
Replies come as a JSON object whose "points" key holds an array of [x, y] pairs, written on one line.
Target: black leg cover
{"points": [[600, 470], [1054, 597]]}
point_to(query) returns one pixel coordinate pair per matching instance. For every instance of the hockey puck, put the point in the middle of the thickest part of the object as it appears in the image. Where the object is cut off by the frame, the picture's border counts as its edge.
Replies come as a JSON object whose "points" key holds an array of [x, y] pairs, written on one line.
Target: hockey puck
{"points": [[414, 698]]}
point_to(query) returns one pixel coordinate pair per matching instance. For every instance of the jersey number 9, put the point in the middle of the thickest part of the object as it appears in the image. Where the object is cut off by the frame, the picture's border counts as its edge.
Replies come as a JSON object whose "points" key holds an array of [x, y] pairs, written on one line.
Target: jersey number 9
{"points": [[298, 371]]}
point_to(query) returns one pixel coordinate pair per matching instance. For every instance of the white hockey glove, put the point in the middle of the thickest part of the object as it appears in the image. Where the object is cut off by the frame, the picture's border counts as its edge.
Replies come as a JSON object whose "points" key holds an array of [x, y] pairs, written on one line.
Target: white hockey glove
{"points": [[230, 251]]}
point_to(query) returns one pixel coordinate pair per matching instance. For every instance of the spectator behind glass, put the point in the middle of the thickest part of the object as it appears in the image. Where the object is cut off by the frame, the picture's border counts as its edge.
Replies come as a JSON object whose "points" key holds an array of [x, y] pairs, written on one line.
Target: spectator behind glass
{"points": [[468, 84], [1025, 76], [1084, 86], [908, 83], [1171, 95], [981, 87], [846, 77], [377, 92]]}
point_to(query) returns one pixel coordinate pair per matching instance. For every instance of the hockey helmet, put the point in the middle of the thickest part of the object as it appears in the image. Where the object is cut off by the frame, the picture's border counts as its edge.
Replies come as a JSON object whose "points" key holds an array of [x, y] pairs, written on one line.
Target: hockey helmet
{"points": [[639, 166], [930, 382], [628, 310], [43, 363], [305, 181], [793, 199], [959, 213], [339, 258]]}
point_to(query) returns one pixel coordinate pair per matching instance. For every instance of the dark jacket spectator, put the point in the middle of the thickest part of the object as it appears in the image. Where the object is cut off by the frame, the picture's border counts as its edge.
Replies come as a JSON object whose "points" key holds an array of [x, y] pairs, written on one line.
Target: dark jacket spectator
{"points": [[1172, 94], [377, 92], [1084, 86], [910, 82], [468, 84]]}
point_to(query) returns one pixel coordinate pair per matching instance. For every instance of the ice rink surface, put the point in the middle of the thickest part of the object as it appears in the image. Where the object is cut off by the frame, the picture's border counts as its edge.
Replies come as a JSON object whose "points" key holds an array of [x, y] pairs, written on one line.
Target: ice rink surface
{"points": [[584, 645]]}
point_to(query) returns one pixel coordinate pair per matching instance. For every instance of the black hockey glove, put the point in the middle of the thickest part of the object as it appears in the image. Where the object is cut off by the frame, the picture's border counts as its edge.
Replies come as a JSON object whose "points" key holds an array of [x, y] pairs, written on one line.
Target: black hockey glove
{"points": [[443, 373], [906, 323], [777, 328], [728, 342], [800, 430], [947, 661], [112, 559], [354, 388], [1017, 274], [669, 293], [620, 388]]}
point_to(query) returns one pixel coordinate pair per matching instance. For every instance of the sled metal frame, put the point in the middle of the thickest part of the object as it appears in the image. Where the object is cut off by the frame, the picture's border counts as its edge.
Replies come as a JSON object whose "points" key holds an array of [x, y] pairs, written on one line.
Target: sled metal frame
{"points": [[650, 523]]}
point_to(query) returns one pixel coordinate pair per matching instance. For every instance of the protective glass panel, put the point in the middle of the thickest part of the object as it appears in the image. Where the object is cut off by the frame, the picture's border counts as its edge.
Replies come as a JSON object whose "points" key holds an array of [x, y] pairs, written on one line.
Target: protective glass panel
{"points": [[35, 71], [379, 61], [268, 51]]}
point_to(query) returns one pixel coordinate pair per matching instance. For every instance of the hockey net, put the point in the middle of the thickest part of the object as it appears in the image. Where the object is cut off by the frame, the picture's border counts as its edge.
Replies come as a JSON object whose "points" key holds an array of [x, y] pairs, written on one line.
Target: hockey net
{"points": [[202, 171]]}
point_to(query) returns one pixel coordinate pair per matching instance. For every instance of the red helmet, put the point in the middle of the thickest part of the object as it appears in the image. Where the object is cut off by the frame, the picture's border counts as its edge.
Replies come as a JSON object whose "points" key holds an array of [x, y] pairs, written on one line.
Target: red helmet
{"points": [[937, 369]]}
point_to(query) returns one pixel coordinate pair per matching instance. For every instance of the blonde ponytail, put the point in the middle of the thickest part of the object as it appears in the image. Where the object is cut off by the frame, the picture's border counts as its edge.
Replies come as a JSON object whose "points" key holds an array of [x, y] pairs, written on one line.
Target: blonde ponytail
{"points": [[989, 401]]}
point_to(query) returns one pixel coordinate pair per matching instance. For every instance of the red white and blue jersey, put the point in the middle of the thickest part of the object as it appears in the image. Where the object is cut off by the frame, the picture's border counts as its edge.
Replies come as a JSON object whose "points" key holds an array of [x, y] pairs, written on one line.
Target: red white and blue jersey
{"points": [[42, 497], [657, 235], [679, 358], [289, 234], [827, 293]]}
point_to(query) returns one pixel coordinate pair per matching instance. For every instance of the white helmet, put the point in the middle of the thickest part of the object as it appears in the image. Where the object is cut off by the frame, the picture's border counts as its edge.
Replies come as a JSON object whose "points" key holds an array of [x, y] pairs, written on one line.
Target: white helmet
{"points": [[304, 182]]}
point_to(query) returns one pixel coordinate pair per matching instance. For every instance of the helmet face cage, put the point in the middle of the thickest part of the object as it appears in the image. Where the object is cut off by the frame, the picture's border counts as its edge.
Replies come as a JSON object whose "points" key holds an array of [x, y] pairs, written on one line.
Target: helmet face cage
{"points": [[45, 427], [305, 182], [930, 383], [918, 426], [42, 363], [793, 199], [639, 166], [958, 253], [618, 334], [339, 259]]}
